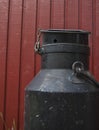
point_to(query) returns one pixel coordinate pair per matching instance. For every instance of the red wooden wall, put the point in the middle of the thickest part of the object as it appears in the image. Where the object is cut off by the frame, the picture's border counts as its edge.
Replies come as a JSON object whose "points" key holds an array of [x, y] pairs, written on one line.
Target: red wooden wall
{"points": [[19, 21]]}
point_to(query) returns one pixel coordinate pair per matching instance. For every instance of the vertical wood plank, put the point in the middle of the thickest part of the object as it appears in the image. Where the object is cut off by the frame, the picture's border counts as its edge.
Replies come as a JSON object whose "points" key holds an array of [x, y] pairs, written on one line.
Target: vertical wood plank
{"points": [[71, 14], [43, 14], [57, 14], [27, 52], [85, 22], [13, 62], [43, 22], [4, 5], [96, 37]]}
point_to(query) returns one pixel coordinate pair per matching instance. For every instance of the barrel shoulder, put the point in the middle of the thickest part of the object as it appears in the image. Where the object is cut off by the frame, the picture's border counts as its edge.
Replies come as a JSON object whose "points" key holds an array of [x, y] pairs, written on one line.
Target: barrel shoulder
{"points": [[58, 80]]}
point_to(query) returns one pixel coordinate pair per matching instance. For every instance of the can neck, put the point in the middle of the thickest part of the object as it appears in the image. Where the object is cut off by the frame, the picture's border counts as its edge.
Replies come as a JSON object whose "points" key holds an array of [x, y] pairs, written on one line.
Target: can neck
{"points": [[61, 48], [63, 61], [65, 57]]}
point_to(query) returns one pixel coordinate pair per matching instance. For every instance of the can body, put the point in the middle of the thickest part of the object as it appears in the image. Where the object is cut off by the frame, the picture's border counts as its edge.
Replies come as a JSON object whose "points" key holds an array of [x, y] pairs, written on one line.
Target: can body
{"points": [[57, 99]]}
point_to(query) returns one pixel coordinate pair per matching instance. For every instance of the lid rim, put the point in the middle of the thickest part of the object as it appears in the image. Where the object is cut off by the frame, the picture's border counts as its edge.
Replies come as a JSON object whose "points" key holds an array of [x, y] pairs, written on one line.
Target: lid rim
{"points": [[77, 31]]}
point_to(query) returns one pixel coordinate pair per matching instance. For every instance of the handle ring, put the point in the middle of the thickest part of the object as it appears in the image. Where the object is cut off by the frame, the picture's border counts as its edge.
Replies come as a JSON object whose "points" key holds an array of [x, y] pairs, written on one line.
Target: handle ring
{"points": [[78, 67]]}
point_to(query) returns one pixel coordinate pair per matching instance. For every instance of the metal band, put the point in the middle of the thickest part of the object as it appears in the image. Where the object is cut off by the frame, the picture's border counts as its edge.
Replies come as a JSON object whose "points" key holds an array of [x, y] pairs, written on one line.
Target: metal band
{"points": [[65, 48]]}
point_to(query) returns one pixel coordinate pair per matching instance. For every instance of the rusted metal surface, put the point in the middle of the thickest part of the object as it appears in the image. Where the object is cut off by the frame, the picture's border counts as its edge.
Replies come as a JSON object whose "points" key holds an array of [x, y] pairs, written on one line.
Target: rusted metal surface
{"points": [[19, 21]]}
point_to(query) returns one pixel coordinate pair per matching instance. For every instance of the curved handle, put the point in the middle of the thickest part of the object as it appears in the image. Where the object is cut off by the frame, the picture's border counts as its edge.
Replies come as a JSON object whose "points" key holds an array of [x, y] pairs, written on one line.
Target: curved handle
{"points": [[78, 68]]}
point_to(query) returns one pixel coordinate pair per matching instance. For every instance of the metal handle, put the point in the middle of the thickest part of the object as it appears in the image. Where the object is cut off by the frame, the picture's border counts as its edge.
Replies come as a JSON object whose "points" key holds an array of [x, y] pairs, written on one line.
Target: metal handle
{"points": [[37, 46], [78, 68]]}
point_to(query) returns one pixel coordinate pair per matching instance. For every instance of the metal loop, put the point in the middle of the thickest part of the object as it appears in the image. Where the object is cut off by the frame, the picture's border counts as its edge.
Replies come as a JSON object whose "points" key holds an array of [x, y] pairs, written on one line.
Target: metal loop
{"points": [[37, 47], [77, 67]]}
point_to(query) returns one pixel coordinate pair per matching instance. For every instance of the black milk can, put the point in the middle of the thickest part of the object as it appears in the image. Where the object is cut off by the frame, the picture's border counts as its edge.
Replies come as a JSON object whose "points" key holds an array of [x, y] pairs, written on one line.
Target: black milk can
{"points": [[63, 95]]}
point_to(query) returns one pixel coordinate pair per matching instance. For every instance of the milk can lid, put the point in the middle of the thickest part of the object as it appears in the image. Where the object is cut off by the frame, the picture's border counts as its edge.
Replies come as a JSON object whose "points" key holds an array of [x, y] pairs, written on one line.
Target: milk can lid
{"points": [[77, 31]]}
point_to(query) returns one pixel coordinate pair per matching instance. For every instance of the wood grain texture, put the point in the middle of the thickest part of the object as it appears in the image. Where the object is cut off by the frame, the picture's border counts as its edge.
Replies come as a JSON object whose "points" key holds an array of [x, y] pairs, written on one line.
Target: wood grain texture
{"points": [[57, 14], [4, 10], [13, 62], [27, 53], [43, 22], [86, 23], [71, 14]]}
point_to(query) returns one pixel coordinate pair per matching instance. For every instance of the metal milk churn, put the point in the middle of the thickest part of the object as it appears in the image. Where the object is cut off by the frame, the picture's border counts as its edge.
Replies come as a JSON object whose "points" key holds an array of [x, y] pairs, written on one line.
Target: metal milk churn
{"points": [[63, 95]]}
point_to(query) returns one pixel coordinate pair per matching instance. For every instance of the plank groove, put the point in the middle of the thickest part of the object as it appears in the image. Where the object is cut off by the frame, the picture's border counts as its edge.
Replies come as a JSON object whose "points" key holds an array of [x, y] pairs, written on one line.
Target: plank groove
{"points": [[27, 53], [96, 38], [71, 14], [85, 23], [13, 63], [43, 22], [4, 10], [57, 14]]}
